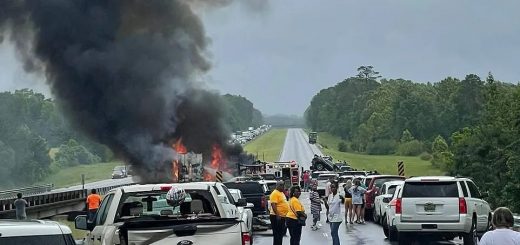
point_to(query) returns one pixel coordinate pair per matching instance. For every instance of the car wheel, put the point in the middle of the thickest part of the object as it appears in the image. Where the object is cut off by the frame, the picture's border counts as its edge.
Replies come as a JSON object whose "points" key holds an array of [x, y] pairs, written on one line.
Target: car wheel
{"points": [[392, 234], [471, 238], [374, 216], [319, 166], [385, 227]]}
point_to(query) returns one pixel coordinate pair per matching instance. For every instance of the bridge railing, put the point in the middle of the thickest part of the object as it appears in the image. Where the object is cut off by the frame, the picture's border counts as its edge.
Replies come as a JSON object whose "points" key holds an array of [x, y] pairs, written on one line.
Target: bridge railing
{"points": [[39, 200], [26, 191]]}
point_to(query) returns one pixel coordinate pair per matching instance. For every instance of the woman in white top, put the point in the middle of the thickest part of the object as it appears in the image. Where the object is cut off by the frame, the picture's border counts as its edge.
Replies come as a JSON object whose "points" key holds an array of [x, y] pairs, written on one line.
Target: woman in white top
{"points": [[334, 201], [502, 235]]}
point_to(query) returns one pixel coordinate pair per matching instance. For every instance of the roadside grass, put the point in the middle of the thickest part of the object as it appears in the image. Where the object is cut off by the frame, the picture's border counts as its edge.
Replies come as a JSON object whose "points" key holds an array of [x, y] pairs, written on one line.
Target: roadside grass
{"points": [[72, 175], [77, 234], [268, 146], [385, 164]]}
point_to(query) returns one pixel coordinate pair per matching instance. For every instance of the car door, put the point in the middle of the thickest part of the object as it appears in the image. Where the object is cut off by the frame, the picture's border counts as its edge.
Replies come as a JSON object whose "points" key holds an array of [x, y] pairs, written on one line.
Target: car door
{"points": [[96, 235], [479, 204], [379, 199]]}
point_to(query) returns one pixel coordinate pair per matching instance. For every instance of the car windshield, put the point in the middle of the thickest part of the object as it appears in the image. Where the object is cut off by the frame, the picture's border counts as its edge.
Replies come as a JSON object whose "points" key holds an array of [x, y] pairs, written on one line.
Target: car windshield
{"points": [[380, 181], [391, 189], [430, 189], [154, 204]]}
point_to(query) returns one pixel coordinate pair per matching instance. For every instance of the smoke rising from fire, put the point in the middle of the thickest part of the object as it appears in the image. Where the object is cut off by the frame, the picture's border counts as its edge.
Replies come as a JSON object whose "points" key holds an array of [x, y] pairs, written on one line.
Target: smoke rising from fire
{"points": [[123, 71]]}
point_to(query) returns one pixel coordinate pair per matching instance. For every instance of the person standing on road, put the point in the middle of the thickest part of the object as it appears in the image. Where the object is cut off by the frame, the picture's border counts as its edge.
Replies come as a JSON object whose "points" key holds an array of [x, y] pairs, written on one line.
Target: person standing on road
{"points": [[357, 193], [334, 202], [349, 212], [296, 210], [306, 181], [20, 205], [315, 206], [279, 209], [502, 221], [93, 202]]}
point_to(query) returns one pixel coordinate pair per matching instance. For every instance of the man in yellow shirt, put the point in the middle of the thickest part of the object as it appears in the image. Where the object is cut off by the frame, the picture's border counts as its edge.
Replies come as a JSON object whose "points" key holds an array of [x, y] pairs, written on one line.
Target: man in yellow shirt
{"points": [[278, 211]]}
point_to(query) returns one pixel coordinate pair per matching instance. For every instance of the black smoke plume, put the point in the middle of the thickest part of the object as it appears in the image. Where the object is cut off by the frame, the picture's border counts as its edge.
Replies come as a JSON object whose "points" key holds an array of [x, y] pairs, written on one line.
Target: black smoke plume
{"points": [[123, 71]]}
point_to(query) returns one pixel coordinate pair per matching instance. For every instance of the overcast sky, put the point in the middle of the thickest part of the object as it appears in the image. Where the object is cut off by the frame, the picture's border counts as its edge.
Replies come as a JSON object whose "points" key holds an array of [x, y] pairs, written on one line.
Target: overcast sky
{"points": [[283, 55]]}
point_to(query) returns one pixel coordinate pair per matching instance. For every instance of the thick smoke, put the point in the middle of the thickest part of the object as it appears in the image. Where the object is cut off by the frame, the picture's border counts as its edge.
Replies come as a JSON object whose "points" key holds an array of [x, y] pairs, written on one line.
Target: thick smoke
{"points": [[123, 71]]}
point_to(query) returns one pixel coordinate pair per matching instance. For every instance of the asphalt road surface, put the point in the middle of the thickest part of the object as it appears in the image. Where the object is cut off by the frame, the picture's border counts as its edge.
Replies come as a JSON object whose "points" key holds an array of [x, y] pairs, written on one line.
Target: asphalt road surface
{"points": [[97, 184], [297, 148]]}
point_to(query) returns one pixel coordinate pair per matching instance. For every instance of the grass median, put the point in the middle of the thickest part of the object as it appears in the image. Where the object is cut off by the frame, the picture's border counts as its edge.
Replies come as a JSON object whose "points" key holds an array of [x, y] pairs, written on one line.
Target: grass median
{"points": [[385, 164], [71, 176], [268, 146]]}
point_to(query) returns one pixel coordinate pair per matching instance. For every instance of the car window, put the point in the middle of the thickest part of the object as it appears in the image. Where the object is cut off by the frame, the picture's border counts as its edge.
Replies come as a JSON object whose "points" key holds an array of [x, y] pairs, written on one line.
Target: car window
{"points": [[246, 187], [473, 189], [378, 182], [431, 189], [366, 182], [228, 194], [102, 213], [40, 240], [383, 189], [464, 188], [391, 189]]}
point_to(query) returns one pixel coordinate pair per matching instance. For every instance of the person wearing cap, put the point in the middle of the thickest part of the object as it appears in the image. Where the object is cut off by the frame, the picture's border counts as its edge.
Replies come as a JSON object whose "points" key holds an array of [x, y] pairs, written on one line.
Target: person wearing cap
{"points": [[278, 212]]}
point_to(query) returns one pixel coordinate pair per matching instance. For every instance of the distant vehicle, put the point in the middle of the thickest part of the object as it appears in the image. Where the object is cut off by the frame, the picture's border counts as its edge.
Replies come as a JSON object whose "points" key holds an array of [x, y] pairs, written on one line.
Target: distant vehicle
{"points": [[355, 173], [313, 137], [373, 184], [322, 182], [119, 172], [383, 197], [268, 176], [35, 232], [322, 164], [441, 206]]}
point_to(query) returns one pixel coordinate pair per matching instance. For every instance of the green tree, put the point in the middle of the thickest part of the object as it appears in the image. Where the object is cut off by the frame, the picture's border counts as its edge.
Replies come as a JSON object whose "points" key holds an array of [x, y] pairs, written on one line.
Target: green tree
{"points": [[406, 136], [367, 73]]}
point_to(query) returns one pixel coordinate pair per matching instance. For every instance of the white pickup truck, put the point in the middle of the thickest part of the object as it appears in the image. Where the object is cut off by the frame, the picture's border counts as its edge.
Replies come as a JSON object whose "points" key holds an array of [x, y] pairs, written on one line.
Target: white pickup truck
{"points": [[140, 214]]}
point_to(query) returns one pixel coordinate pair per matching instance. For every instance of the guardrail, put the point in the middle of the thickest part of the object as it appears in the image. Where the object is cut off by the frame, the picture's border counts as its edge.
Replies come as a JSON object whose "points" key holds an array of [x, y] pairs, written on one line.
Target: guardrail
{"points": [[7, 205], [26, 191]]}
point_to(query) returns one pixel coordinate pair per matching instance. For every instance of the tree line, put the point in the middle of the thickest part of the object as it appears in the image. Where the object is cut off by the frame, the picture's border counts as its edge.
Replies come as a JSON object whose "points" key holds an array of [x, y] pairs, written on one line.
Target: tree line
{"points": [[467, 127], [36, 140]]}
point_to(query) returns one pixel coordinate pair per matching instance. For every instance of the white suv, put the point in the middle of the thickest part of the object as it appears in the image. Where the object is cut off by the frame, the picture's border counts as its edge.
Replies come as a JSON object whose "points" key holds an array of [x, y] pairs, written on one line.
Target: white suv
{"points": [[44, 232], [444, 207]]}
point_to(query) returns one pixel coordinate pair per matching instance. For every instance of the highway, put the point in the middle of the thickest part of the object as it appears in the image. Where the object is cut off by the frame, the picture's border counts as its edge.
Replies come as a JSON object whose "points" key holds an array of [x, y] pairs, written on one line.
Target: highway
{"points": [[297, 148], [98, 184]]}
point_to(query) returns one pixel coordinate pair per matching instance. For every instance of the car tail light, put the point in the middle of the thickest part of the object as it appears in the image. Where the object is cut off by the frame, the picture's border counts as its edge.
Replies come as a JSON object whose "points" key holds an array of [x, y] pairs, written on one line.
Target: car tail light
{"points": [[166, 187], [262, 202], [398, 206], [463, 208], [246, 238]]}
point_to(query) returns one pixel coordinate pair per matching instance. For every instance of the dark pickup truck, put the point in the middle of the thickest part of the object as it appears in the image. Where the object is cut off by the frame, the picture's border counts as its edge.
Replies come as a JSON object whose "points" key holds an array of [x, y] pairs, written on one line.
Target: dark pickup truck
{"points": [[254, 193]]}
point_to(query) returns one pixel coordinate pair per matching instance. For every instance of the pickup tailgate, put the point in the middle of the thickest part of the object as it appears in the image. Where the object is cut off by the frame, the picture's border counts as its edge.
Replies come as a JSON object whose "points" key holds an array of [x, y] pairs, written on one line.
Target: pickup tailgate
{"points": [[430, 202], [227, 232], [253, 193]]}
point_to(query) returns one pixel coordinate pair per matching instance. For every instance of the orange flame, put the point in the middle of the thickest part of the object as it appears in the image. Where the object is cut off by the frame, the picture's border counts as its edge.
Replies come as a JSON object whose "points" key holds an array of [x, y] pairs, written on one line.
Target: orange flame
{"points": [[180, 149], [216, 160]]}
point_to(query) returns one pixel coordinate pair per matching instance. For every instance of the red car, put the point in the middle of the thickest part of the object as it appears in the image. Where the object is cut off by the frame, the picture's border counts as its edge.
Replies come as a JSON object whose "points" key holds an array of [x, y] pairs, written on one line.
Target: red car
{"points": [[373, 184]]}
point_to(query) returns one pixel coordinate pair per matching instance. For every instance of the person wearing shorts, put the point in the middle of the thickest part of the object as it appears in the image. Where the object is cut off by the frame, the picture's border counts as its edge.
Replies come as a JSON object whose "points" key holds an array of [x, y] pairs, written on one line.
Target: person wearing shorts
{"points": [[357, 193], [349, 212]]}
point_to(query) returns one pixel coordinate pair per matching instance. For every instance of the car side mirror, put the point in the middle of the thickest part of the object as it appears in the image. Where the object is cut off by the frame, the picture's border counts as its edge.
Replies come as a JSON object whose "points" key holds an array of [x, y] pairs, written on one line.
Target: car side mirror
{"points": [[250, 205], [242, 202], [81, 223], [386, 199]]}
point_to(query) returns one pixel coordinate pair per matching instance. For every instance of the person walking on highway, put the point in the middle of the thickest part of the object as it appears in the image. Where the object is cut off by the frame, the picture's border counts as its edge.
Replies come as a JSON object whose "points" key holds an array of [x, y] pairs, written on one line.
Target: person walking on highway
{"points": [[20, 205], [306, 181], [334, 201], [295, 212], [502, 221], [278, 212], [349, 208], [93, 202], [357, 193], [315, 206]]}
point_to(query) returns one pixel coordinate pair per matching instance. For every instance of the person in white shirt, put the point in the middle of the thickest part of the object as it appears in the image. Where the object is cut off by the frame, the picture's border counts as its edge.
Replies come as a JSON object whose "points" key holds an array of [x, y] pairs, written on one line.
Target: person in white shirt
{"points": [[334, 201], [502, 235]]}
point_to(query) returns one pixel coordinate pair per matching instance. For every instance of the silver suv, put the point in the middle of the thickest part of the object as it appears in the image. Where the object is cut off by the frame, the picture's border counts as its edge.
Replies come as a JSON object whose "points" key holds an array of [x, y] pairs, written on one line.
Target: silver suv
{"points": [[442, 206], [41, 232]]}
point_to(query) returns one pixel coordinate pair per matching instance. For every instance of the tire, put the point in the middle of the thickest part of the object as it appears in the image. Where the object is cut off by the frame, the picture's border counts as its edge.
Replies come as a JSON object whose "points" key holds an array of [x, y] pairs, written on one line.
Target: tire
{"points": [[393, 235], [385, 228], [375, 217], [319, 166], [471, 238]]}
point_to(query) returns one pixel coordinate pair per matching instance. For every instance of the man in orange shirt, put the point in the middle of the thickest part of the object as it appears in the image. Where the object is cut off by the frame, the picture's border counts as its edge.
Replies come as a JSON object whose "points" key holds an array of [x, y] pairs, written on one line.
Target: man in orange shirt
{"points": [[93, 202], [278, 211]]}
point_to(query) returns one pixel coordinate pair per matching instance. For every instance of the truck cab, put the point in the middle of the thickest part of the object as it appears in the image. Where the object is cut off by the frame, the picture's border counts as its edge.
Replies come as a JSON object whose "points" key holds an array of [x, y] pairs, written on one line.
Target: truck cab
{"points": [[140, 214]]}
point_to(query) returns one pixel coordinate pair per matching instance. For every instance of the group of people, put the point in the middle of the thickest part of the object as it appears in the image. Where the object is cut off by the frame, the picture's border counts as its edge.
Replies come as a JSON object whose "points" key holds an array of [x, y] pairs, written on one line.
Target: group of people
{"points": [[290, 215]]}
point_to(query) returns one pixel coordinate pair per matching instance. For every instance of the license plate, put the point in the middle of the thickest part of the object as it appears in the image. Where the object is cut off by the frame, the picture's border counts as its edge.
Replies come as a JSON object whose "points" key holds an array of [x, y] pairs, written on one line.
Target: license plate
{"points": [[429, 207]]}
